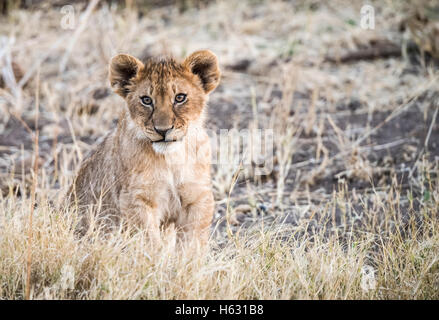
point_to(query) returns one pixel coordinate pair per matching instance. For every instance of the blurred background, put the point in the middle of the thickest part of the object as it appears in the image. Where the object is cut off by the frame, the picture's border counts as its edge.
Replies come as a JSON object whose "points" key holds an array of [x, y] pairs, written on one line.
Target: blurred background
{"points": [[349, 88]]}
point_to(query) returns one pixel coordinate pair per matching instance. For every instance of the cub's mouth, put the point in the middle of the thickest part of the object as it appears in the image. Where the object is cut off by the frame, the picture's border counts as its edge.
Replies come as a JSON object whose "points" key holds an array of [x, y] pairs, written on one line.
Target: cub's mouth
{"points": [[171, 138], [166, 146], [168, 138], [164, 141]]}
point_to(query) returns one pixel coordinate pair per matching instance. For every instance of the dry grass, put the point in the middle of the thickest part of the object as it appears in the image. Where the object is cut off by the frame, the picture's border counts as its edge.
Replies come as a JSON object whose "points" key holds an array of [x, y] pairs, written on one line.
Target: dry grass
{"points": [[350, 210], [278, 262]]}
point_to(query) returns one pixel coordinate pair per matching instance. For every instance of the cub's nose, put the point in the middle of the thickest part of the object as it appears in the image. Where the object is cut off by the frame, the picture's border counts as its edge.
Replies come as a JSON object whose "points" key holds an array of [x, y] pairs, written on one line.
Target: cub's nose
{"points": [[163, 131]]}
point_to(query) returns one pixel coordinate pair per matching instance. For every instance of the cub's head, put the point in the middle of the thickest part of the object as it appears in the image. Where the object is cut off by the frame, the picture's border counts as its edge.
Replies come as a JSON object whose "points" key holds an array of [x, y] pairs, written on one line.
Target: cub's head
{"points": [[165, 97]]}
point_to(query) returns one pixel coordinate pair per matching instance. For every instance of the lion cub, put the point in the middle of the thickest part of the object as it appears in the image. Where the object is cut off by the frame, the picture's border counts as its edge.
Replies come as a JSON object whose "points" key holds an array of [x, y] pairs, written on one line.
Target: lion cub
{"points": [[154, 168]]}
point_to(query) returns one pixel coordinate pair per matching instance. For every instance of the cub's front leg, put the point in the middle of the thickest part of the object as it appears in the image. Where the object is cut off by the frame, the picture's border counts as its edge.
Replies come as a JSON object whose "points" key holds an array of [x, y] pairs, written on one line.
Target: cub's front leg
{"points": [[196, 216], [139, 208]]}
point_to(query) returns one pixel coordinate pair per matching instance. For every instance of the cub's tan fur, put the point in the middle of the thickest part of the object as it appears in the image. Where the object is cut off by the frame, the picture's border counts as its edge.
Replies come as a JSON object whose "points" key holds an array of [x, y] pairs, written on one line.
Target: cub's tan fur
{"points": [[154, 168]]}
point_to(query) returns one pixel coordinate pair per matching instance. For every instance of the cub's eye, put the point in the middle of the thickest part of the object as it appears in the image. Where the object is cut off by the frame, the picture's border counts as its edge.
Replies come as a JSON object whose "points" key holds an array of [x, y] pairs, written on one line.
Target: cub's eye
{"points": [[180, 98], [146, 101]]}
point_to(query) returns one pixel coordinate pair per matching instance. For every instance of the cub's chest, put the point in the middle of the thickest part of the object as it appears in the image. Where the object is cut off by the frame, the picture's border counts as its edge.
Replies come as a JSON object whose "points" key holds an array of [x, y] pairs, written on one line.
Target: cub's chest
{"points": [[162, 185]]}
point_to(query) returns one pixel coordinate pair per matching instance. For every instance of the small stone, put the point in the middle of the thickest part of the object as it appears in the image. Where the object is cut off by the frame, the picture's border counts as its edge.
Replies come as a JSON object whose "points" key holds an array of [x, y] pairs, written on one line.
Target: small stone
{"points": [[243, 209]]}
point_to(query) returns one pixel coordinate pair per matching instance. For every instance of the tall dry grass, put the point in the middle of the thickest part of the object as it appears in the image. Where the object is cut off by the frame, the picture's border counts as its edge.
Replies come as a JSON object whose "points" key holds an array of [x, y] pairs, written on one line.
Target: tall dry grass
{"points": [[383, 258]]}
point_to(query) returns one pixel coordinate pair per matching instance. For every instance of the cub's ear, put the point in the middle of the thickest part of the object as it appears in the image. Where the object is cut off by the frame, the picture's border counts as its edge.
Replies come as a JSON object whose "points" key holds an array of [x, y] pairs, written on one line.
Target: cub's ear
{"points": [[204, 64], [123, 68]]}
